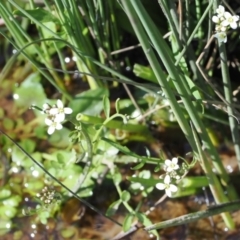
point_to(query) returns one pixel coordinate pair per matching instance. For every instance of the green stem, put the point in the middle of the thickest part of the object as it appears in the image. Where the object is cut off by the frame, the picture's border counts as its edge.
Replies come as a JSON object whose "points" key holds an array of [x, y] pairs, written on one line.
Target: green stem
{"points": [[229, 98], [192, 217]]}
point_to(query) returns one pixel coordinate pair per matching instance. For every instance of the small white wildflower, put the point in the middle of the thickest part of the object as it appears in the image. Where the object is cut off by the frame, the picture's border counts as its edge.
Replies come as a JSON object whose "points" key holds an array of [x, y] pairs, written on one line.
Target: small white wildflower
{"points": [[59, 111], [230, 20], [220, 10], [222, 28], [221, 36], [46, 108], [174, 175], [215, 19], [171, 165], [53, 125], [167, 186]]}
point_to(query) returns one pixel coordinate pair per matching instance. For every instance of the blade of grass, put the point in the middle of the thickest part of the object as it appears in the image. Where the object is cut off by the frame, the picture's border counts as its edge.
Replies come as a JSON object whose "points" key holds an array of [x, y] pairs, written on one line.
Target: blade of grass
{"points": [[231, 206], [161, 48], [229, 97]]}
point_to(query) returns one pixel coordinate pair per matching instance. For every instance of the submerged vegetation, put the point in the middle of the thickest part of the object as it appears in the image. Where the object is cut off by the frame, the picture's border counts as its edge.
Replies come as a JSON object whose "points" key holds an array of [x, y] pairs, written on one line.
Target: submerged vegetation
{"points": [[120, 115]]}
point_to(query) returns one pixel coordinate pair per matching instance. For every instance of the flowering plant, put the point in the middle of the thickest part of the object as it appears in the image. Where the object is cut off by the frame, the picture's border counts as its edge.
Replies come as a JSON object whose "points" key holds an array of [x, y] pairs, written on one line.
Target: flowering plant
{"points": [[224, 20]]}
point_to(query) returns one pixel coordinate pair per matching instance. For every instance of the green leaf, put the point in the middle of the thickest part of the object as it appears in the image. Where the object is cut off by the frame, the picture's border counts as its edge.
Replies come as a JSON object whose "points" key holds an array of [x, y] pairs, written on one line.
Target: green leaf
{"points": [[12, 201], [60, 158], [7, 212], [60, 139], [5, 223], [89, 102], [113, 208], [8, 123], [43, 216], [145, 73], [125, 196], [28, 145], [127, 222], [1, 113], [126, 151], [117, 105], [68, 232], [31, 93], [121, 148], [146, 174], [157, 168], [138, 166], [106, 106], [39, 14], [4, 193], [117, 178], [194, 182]]}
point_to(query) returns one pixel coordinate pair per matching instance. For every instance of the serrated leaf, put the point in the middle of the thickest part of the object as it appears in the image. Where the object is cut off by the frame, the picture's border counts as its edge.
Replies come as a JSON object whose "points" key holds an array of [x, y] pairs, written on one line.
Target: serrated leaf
{"points": [[113, 208], [106, 106], [127, 222]]}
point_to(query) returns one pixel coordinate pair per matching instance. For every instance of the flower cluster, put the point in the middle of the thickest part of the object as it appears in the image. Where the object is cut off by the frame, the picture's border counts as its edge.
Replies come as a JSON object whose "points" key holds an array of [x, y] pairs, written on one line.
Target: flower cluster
{"points": [[56, 115], [224, 20], [171, 167], [46, 196]]}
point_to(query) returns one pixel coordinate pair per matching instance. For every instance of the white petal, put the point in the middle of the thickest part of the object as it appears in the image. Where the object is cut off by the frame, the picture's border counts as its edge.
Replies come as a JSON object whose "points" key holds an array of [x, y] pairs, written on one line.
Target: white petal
{"points": [[221, 36], [233, 25], [51, 130], [60, 117], [220, 8], [68, 110], [175, 160], [173, 188], [224, 23], [53, 111], [58, 126], [227, 15], [160, 186], [167, 179], [215, 19], [168, 192], [168, 162], [48, 121], [46, 106], [59, 103], [236, 18]]}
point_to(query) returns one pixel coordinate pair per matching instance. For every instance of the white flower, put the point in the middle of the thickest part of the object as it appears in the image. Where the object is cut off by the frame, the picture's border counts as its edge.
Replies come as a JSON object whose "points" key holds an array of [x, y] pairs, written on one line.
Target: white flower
{"points": [[171, 165], [216, 19], [221, 36], [52, 125], [230, 20], [220, 11], [169, 188], [46, 108], [59, 111]]}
